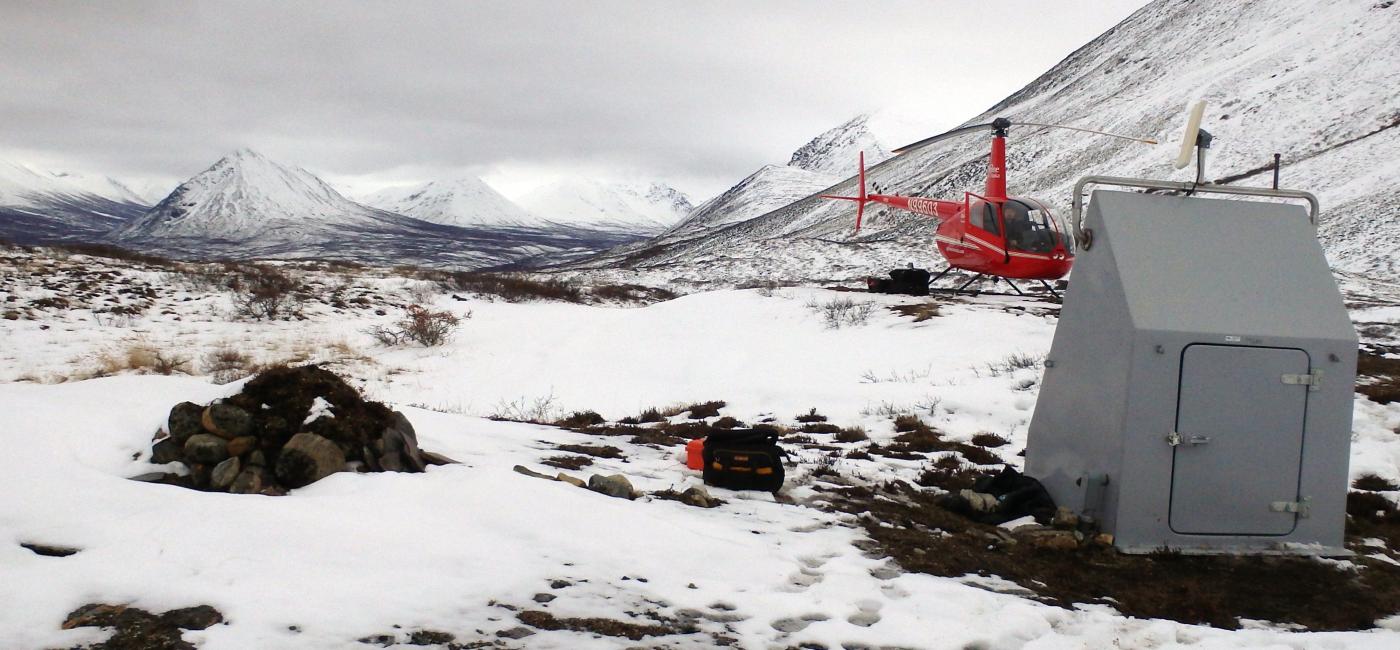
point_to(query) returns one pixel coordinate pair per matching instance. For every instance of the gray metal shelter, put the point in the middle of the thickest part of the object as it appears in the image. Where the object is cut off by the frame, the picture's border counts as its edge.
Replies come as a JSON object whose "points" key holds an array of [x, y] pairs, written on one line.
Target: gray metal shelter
{"points": [[1198, 393]]}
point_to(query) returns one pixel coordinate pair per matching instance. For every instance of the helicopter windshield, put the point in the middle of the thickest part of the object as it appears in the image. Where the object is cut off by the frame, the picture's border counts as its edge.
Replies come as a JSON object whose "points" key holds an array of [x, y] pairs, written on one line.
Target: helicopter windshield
{"points": [[1028, 228]]}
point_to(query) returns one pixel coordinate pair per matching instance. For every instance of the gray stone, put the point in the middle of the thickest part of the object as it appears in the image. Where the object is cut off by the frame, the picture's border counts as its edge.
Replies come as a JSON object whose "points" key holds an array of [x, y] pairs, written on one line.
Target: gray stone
{"points": [[224, 473], [400, 437], [226, 421], [578, 482], [521, 469], [167, 450], [184, 421], [206, 448], [544, 598], [252, 480], [697, 496], [308, 458], [155, 477], [391, 461], [1065, 518], [258, 458], [433, 458], [518, 632], [616, 485]]}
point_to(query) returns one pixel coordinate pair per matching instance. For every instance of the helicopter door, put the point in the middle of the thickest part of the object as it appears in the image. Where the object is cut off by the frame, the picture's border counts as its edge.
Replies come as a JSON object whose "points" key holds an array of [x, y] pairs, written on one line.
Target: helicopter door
{"points": [[1028, 229]]}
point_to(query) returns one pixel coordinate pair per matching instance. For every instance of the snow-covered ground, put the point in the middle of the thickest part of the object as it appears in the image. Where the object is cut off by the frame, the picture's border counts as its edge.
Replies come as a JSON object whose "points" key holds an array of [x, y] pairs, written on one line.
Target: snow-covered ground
{"points": [[465, 548]]}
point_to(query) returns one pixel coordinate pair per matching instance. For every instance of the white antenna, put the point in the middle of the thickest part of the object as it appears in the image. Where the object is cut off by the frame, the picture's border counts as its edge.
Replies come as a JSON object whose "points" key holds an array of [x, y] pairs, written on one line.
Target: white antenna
{"points": [[1188, 139]]}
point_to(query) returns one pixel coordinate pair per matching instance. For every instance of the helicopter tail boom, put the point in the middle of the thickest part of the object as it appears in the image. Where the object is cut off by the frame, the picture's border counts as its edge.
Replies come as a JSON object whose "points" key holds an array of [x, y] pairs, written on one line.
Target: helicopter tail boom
{"points": [[860, 200]]}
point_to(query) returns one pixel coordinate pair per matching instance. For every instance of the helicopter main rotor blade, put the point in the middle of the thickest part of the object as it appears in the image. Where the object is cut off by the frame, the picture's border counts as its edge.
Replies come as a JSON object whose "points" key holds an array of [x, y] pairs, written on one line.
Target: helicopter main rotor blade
{"points": [[1075, 128], [962, 130]]}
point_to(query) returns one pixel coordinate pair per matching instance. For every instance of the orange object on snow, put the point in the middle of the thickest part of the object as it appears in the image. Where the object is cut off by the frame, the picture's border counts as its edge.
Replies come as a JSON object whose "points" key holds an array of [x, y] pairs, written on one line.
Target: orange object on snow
{"points": [[695, 454]]}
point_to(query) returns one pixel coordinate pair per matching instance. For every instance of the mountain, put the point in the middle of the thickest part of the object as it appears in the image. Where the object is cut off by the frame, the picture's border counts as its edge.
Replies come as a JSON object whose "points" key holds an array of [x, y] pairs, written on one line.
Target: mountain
{"points": [[1317, 82], [247, 206], [38, 206], [767, 189], [608, 207], [462, 201], [835, 152]]}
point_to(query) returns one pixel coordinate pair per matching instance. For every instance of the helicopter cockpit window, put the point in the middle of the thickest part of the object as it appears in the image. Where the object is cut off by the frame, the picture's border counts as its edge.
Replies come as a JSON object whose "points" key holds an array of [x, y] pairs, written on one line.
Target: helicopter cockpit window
{"points": [[986, 219], [1028, 228]]}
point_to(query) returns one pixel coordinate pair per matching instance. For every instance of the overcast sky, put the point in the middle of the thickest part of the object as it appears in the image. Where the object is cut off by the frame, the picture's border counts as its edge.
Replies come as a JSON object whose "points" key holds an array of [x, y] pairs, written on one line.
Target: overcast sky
{"points": [[698, 94]]}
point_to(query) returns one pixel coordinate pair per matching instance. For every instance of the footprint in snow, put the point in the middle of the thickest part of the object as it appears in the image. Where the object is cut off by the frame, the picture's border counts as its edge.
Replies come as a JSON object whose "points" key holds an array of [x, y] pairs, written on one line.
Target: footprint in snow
{"points": [[790, 625], [867, 614]]}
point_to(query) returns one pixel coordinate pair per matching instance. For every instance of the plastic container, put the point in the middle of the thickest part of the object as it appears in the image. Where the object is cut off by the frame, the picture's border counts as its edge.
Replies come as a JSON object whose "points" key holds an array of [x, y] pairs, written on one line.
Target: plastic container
{"points": [[695, 454]]}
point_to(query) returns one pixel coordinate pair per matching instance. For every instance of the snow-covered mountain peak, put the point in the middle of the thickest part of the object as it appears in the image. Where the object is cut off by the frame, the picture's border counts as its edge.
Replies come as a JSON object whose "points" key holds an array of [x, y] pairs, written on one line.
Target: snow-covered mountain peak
{"points": [[642, 209], [246, 196], [836, 150], [459, 201]]}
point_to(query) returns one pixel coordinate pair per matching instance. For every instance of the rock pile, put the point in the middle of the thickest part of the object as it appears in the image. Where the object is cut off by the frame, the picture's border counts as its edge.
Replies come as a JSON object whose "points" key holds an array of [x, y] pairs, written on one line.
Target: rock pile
{"points": [[288, 428]]}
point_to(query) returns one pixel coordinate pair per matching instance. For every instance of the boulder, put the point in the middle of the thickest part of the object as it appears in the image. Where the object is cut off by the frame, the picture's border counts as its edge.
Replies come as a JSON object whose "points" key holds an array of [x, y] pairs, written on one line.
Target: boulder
{"points": [[226, 421], [697, 496], [206, 448], [167, 450], [252, 480], [193, 618], [401, 438], [577, 482], [1055, 540], [223, 474], [242, 445], [257, 458], [185, 421], [308, 458], [616, 485]]}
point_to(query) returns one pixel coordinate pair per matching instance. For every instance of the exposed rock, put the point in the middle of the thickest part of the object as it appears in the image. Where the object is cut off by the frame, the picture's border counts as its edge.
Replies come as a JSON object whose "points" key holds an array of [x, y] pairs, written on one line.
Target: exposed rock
{"points": [[167, 450], [1065, 519], [242, 445], [252, 480], [431, 458], [544, 598], [185, 420], [1056, 540], [156, 477], [308, 458], [258, 458], [206, 448], [616, 485], [521, 469], [224, 473], [571, 480], [517, 632], [226, 420], [50, 550], [400, 437], [391, 462], [193, 618], [697, 496]]}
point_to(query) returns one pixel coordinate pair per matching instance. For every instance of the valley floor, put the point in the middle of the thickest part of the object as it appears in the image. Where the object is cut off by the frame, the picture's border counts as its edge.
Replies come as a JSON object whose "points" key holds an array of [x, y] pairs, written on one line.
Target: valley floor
{"points": [[491, 556]]}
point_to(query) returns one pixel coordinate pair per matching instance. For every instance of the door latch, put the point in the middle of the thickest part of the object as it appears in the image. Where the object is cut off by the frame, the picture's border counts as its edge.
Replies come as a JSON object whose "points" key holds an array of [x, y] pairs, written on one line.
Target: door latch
{"points": [[1301, 507], [1312, 380], [1175, 439]]}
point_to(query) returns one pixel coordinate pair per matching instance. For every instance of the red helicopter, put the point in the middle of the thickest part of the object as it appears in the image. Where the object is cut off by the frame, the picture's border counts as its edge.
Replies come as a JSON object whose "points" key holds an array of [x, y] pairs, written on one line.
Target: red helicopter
{"points": [[991, 233]]}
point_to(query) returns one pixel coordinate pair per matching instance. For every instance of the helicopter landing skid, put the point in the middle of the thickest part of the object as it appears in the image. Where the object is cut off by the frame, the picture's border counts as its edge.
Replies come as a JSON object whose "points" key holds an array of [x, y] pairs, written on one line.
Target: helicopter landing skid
{"points": [[963, 288]]}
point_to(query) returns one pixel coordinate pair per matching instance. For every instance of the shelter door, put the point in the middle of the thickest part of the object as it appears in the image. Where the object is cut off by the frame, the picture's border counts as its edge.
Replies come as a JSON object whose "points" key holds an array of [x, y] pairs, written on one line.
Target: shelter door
{"points": [[1238, 442]]}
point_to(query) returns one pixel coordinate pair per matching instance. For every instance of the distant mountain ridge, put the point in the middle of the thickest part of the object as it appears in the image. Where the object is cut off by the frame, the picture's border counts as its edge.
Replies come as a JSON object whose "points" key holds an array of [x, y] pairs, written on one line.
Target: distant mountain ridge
{"points": [[462, 201], [1316, 82], [613, 207], [39, 206]]}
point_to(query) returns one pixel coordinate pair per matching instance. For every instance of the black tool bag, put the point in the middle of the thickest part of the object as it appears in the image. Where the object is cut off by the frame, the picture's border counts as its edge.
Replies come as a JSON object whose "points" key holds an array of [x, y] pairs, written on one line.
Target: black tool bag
{"points": [[744, 459]]}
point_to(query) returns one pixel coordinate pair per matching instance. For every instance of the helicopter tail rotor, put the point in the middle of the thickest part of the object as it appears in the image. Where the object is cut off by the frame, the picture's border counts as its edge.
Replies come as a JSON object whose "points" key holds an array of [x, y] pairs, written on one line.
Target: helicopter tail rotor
{"points": [[860, 200]]}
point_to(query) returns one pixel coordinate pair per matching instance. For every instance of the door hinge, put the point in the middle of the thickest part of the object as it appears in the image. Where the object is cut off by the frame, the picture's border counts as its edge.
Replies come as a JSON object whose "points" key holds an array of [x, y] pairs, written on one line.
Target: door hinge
{"points": [[1301, 507], [1312, 380]]}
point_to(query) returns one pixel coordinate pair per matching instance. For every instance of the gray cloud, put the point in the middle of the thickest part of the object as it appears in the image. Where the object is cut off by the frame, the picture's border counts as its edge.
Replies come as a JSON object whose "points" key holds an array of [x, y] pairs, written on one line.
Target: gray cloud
{"points": [[700, 92]]}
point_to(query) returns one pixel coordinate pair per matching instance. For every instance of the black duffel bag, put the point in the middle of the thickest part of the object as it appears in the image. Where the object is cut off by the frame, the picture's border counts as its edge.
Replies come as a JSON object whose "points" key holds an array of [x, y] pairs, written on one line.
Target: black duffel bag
{"points": [[744, 459]]}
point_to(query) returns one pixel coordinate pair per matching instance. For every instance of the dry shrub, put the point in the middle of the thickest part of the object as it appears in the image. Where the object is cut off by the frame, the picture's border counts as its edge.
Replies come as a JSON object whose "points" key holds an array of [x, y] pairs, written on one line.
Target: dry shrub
{"points": [[651, 415], [113, 252], [580, 419], [226, 364], [851, 434], [987, 439], [631, 293], [811, 416], [843, 312], [419, 325], [705, 409], [143, 359], [264, 292], [511, 288], [1374, 483]]}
